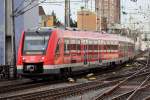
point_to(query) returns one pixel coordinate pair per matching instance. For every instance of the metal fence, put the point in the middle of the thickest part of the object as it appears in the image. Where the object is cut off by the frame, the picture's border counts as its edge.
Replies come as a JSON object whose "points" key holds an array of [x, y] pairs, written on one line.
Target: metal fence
{"points": [[7, 72]]}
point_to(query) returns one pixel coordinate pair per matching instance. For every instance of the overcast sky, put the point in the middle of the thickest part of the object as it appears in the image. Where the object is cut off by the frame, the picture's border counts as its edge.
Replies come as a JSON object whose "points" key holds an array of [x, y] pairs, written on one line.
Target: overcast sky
{"points": [[137, 12]]}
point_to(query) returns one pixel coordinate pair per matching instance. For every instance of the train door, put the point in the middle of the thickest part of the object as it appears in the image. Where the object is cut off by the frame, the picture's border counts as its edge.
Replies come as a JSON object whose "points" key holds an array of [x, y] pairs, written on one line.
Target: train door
{"points": [[57, 52], [85, 52], [66, 57], [73, 50], [96, 50]]}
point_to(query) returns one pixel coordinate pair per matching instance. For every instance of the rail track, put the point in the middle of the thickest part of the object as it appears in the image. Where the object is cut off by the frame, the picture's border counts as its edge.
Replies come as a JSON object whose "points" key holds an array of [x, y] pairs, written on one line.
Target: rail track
{"points": [[69, 91], [130, 87], [17, 87], [79, 89], [124, 90], [109, 80]]}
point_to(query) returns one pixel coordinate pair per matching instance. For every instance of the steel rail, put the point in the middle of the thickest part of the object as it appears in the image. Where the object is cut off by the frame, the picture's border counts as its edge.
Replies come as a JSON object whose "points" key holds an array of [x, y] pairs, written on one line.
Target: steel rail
{"points": [[100, 96], [119, 84], [147, 98], [127, 94], [65, 91], [80, 89], [137, 89]]}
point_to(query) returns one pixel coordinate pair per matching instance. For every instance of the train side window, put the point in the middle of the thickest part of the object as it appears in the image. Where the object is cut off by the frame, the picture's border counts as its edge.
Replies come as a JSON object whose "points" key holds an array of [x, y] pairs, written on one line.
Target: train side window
{"points": [[66, 42], [84, 43], [90, 45], [72, 45], [78, 42], [108, 46], [115, 46], [103, 43], [111, 46], [58, 47], [99, 43], [96, 46], [101, 46], [105, 46]]}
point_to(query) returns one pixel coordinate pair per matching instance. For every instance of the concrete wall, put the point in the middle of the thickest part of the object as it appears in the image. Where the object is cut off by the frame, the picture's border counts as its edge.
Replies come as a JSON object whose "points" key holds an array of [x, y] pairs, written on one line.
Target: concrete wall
{"points": [[8, 32], [2, 31], [22, 22], [31, 18], [26, 21]]}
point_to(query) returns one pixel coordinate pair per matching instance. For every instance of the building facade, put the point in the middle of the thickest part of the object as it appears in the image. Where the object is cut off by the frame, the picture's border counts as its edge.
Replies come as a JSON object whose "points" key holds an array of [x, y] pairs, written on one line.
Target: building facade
{"points": [[86, 20], [45, 20], [109, 9]]}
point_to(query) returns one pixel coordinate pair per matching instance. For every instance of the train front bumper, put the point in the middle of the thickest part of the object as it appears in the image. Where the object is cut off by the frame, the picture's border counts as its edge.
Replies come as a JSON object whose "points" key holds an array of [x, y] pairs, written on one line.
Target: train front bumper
{"points": [[47, 69]]}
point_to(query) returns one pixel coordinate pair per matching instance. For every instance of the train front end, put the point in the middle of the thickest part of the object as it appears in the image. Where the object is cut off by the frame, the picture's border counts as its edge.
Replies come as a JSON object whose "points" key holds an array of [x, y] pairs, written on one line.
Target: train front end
{"points": [[34, 54]]}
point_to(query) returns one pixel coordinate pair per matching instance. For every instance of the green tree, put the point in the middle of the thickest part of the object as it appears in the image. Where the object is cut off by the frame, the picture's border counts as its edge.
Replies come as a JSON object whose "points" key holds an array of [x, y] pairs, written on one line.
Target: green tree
{"points": [[73, 23], [56, 21]]}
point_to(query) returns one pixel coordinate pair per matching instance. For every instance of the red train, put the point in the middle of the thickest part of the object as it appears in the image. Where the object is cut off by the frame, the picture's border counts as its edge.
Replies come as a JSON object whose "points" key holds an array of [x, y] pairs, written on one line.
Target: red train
{"points": [[55, 51]]}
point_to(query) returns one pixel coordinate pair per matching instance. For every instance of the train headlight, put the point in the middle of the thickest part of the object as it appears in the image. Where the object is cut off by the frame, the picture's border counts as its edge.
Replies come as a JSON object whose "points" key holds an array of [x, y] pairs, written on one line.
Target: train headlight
{"points": [[43, 58], [23, 58]]}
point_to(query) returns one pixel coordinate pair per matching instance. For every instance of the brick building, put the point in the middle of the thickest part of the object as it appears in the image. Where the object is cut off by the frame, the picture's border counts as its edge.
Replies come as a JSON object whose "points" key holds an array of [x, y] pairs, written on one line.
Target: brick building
{"points": [[45, 20]]}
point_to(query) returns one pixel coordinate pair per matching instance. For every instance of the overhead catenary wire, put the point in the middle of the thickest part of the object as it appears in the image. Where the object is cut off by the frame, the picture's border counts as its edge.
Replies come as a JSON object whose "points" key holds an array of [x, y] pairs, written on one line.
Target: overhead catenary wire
{"points": [[18, 12], [24, 10], [20, 5], [26, 6], [64, 1]]}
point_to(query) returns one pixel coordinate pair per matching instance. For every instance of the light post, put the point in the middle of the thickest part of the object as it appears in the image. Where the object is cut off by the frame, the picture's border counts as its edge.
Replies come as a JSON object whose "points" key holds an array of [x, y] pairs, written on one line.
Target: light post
{"points": [[13, 40]]}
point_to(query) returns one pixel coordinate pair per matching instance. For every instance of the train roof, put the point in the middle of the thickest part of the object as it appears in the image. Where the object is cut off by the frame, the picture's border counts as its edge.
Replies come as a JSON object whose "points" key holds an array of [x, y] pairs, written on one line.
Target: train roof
{"points": [[94, 35], [84, 34]]}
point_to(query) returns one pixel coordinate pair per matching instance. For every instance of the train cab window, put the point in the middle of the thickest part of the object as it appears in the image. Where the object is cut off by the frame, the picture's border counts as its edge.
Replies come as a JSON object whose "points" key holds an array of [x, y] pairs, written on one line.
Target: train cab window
{"points": [[36, 42]]}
